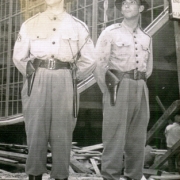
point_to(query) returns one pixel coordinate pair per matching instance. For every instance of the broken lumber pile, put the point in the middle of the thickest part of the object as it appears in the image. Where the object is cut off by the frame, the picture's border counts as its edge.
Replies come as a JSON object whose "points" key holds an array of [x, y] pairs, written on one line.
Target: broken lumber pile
{"points": [[85, 160]]}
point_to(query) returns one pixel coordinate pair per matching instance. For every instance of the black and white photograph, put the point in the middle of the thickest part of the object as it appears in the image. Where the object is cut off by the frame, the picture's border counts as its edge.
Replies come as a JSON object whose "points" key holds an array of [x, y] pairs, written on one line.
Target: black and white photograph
{"points": [[89, 89]]}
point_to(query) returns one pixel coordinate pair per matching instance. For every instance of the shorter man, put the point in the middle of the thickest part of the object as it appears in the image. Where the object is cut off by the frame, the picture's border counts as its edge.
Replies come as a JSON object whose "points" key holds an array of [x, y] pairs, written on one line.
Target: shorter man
{"points": [[124, 63]]}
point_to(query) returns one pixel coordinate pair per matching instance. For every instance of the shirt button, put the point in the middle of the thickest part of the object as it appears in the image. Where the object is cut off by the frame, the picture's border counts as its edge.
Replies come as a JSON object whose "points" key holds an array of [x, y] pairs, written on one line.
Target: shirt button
{"points": [[37, 36], [135, 42], [137, 61], [136, 55], [54, 18], [52, 56], [136, 68], [136, 49], [54, 29], [134, 36], [53, 42]]}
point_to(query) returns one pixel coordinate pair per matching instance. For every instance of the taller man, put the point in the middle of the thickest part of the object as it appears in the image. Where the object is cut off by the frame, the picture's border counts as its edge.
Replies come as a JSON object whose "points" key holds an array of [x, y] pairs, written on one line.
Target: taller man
{"points": [[124, 54], [47, 45]]}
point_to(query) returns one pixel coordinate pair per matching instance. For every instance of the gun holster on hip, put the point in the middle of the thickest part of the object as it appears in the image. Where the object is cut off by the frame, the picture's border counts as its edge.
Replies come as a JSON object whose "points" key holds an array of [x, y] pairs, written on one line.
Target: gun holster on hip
{"points": [[30, 74], [112, 79]]}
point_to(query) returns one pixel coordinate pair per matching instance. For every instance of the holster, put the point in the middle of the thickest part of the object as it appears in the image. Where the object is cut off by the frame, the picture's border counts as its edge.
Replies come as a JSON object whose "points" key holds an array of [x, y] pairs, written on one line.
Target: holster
{"points": [[74, 78], [30, 74], [113, 78]]}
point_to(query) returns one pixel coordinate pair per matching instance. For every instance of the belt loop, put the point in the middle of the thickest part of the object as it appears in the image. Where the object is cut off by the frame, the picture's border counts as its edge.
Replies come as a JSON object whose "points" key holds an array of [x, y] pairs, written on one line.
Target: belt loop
{"points": [[135, 74]]}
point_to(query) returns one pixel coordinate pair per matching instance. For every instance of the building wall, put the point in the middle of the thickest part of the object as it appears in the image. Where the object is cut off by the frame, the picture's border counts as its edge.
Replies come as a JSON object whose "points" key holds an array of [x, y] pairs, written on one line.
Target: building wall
{"points": [[95, 13]]}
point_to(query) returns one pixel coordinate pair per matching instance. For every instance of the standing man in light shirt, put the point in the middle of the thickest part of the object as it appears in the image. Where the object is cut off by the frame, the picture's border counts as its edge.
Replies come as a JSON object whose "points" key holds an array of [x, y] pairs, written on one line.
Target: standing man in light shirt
{"points": [[124, 63], [46, 49]]}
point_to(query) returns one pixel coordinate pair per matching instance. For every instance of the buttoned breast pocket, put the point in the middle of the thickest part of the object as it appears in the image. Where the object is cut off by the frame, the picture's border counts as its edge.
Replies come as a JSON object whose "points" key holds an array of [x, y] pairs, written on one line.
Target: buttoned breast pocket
{"points": [[122, 50], [69, 46], [145, 52], [38, 43]]}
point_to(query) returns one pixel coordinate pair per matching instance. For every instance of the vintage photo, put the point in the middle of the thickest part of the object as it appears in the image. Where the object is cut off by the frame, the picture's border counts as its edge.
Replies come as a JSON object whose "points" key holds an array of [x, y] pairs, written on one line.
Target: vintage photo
{"points": [[89, 89]]}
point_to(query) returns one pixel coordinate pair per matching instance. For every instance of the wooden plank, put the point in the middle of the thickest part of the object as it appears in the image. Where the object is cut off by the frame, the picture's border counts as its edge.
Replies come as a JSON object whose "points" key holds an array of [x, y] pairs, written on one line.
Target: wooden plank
{"points": [[177, 40], [5, 160], [12, 155], [150, 171], [167, 155], [93, 147], [166, 177], [78, 167], [169, 113], [96, 169], [71, 171]]}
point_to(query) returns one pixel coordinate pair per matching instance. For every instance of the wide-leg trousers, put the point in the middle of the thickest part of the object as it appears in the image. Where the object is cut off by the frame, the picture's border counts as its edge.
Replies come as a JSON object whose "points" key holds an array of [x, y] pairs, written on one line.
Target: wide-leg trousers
{"points": [[48, 114], [124, 130]]}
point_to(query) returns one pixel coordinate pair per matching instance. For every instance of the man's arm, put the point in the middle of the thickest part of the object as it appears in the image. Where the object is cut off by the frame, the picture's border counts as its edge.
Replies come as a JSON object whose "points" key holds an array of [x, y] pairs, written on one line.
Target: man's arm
{"points": [[103, 51], [86, 62], [150, 62], [21, 50]]}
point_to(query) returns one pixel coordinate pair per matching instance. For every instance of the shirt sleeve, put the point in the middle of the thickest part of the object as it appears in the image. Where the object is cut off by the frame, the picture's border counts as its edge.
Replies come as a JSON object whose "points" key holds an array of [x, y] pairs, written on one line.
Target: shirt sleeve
{"points": [[150, 62], [103, 51], [86, 62], [21, 50]]}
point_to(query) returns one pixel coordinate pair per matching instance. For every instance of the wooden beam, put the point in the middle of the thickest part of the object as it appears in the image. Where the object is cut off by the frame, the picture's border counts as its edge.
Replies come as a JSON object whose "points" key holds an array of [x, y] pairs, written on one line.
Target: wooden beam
{"points": [[177, 40], [78, 167], [175, 148], [166, 177], [169, 113], [14, 156]]}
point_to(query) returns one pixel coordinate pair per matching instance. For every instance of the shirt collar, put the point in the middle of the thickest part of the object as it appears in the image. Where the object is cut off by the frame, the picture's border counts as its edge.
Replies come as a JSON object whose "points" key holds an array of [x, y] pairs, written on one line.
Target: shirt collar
{"points": [[52, 16], [135, 30]]}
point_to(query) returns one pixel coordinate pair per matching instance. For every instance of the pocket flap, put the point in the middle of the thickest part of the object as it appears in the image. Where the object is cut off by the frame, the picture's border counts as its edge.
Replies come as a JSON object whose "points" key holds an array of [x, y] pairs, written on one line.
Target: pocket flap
{"points": [[121, 44], [145, 48], [39, 36]]}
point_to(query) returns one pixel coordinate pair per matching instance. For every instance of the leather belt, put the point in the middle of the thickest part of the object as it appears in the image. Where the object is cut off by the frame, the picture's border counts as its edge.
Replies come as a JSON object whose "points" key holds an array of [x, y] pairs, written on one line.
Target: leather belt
{"points": [[133, 74], [136, 75], [52, 64]]}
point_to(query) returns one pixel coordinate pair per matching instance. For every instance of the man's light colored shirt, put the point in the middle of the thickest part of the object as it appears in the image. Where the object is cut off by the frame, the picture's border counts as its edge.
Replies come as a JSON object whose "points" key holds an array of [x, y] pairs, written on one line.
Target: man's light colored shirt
{"points": [[46, 36], [124, 49]]}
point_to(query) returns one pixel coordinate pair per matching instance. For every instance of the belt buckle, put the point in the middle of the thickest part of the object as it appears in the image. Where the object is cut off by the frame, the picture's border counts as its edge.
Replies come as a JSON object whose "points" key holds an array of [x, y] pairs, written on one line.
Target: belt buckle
{"points": [[51, 64], [135, 74]]}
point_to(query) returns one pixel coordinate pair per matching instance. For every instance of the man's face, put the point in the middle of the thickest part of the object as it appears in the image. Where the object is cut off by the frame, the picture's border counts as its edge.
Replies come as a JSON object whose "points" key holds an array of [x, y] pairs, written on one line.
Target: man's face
{"points": [[53, 2], [131, 8]]}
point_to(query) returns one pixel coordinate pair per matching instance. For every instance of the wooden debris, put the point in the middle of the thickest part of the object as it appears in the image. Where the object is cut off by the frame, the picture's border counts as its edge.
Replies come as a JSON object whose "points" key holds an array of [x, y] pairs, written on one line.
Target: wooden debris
{"points": [[79, 167], [175, 149], [7, 161], [169, 113], [95, 167], [165, 177], [94, 147]]}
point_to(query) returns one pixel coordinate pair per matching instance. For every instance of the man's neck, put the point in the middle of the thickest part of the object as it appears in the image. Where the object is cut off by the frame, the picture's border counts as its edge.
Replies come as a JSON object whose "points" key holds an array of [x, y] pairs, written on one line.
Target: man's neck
{"points": [[58, 9], [132, 23]]}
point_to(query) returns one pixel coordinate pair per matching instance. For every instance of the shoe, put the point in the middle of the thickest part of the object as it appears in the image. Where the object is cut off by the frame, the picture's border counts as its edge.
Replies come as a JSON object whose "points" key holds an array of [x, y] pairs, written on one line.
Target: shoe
{"points": [[62, 179], [31, 177]]}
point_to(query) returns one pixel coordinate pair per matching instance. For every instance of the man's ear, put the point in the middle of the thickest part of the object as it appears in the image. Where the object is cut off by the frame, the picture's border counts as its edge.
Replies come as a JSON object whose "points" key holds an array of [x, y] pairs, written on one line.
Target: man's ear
{"points": [[141, 8]]}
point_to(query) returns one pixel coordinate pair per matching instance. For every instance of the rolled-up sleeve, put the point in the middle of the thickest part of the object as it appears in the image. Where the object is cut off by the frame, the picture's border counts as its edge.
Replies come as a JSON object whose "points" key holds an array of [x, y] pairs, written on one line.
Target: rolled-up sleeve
{"points": [[150, 62], [103, 51], [86, 63], [21, 50]]}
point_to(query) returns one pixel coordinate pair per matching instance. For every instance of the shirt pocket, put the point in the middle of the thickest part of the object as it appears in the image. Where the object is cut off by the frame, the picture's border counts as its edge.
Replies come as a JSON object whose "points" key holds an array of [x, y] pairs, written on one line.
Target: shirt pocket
{"points": [[122, 50], [38, 42], [69, 46], [145, 52]]}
